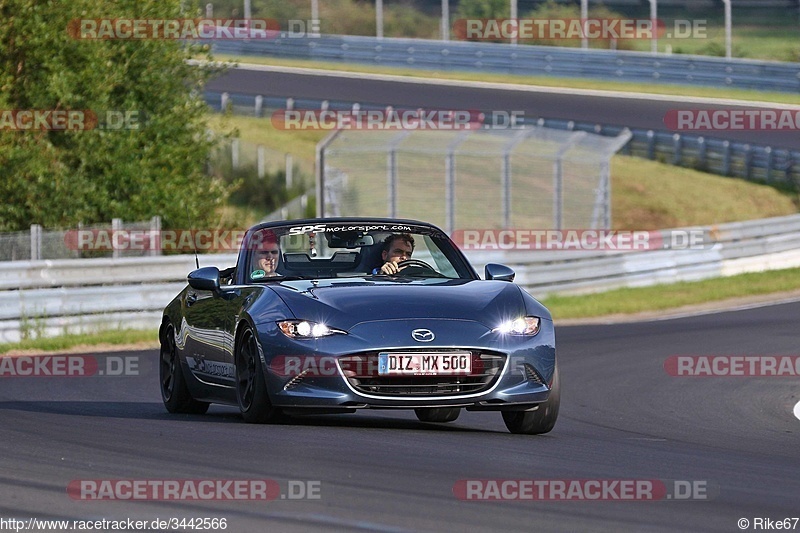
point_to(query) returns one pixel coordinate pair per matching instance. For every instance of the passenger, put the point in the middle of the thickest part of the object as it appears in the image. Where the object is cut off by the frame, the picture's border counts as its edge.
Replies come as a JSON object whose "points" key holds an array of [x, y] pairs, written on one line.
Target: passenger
{"points": [[266, 256]]}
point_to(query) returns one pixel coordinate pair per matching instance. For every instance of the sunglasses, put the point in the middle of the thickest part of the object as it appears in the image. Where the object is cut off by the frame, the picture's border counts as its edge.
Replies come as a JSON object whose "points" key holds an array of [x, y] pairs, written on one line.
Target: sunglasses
{"points": [[267, 252]]}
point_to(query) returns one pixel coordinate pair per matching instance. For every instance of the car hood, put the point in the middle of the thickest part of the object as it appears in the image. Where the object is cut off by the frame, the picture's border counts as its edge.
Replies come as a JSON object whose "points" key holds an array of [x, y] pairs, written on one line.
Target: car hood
{"points": [[343, 303]]}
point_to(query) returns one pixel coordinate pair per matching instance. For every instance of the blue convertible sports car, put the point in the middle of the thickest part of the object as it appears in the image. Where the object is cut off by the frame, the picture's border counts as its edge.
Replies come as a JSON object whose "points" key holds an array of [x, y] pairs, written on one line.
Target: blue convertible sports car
{"points": [[334, 315]]}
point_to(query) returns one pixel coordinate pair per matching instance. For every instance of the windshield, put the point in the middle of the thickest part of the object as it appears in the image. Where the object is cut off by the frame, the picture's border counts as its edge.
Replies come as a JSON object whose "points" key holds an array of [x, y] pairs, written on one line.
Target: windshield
{"points": [[345, 250]]}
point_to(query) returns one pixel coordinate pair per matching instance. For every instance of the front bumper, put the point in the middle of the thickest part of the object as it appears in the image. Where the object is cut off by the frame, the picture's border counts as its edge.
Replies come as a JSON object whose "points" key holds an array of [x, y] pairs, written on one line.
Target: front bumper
{"points": [[310, 373]]}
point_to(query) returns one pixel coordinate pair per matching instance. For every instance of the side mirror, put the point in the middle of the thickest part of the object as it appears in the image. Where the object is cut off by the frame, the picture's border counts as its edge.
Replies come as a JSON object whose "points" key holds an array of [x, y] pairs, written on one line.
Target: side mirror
{"points": [[204, 279], [499, 272]]}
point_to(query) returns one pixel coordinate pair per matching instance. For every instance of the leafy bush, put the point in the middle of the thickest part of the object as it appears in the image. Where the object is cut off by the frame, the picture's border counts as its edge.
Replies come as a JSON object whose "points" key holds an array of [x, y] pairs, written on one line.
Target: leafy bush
{"points": [[483, 9]]}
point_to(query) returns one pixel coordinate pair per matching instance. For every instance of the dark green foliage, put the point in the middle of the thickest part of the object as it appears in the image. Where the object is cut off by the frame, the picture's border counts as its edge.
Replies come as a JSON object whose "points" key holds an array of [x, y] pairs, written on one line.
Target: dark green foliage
{"points": [[59, 179]]}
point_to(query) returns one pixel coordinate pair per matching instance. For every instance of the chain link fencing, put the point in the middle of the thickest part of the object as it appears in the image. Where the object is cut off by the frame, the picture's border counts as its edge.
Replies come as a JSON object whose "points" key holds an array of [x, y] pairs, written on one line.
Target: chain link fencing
{"points": [[528, 176], [41, 244]]}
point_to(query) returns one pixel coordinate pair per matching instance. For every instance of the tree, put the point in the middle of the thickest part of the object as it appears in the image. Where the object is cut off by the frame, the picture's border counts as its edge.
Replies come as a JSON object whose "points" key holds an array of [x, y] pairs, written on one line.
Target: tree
{"points": [[61, 178]]}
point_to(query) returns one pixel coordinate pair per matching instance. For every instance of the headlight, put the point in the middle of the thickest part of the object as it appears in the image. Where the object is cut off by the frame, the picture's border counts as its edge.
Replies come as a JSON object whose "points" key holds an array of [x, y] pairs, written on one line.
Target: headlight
{"points": [[304, 329], [527, 325]]}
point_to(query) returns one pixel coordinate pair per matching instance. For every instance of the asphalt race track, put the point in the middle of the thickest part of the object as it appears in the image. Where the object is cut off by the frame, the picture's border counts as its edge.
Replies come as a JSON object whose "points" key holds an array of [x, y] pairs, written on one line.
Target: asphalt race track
{"points": [[622, 417], [622, 110]]}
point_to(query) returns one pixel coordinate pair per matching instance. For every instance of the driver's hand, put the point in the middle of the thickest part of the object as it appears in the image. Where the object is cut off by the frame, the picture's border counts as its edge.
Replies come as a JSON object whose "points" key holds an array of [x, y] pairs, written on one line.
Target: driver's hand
{"points": [[390, 268]]}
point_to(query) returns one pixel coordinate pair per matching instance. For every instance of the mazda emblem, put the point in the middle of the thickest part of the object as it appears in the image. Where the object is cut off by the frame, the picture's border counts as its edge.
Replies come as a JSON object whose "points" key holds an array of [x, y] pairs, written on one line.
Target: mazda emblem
{"points": [[422, 335]]}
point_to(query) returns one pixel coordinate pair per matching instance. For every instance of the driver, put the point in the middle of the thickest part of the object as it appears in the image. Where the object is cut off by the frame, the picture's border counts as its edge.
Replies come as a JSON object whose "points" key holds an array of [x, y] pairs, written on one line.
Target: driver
{"points": [[396, 248]]}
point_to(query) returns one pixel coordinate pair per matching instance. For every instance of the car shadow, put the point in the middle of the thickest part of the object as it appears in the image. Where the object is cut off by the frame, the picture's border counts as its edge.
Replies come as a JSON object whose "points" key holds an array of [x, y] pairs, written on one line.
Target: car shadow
{"points": [[224, 414]]}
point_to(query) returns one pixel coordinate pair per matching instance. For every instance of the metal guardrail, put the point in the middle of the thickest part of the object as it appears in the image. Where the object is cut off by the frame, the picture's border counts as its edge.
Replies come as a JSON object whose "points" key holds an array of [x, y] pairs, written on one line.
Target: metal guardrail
{"points": [[52, 297], [738, 247], [46, 298], [503, 58], [748, 161]]}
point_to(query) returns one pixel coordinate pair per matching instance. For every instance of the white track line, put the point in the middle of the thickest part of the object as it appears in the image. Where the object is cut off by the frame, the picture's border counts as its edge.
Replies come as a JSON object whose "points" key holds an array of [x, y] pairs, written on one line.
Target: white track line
{"points": [[797, 410]]}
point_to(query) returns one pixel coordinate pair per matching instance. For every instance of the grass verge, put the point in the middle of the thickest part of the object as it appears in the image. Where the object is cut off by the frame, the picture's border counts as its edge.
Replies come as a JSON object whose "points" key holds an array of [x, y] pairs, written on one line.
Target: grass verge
{"points": [[652, 195], [663, 297], [112, 338]]}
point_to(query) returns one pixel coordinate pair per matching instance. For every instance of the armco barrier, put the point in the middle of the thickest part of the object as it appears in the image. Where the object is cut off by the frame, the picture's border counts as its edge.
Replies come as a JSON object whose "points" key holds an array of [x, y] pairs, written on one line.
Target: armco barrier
{"points": [[51, 297], [739, 247], [528, 60], [79, 295]]}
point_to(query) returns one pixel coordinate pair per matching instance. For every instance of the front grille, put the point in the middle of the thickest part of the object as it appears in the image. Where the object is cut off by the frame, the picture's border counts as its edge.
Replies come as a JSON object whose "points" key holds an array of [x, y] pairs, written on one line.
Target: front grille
{"points": [[361, 371]]}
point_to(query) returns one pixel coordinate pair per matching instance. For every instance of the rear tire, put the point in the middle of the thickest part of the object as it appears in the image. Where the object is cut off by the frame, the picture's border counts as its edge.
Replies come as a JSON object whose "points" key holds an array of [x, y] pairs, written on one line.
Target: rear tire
{"points": [[174, 392], [251, 389], [541, 420], [437, 414]]}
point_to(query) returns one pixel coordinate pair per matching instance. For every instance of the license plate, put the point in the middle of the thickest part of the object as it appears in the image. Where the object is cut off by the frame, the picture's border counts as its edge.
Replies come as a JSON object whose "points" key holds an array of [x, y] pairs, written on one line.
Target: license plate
{"points": [[424, 364]]}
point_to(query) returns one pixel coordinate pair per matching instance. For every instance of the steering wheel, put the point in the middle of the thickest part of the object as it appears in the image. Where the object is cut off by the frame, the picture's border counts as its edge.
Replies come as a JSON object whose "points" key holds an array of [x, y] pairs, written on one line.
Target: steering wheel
{"points": [[416, 263]]}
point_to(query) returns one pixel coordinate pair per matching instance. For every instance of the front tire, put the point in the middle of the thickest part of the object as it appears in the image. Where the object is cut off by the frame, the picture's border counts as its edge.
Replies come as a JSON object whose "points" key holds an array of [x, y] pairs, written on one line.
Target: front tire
{"points": [[174, 392], [251, 388], [437, 414], [541, 420]]}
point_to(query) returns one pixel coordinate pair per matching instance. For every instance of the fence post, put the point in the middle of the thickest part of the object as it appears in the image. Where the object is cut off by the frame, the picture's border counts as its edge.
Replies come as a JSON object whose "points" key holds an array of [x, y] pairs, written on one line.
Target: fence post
{"points": [[261, 161], [116, 227], [391, 177], [449, 191], [450, 182], [748, 161], [505, 179], [223, 102], [391, 168], [768, 151], [507, 173], [726, 158], [558, 193], [155, 236], [235, 154], [605, 170], [558, 178], [701, 152], [391, 174], [651, 145], [36, 242], [209, 10], [676, 149], [259, 105], [320, 171], [289, 171]]}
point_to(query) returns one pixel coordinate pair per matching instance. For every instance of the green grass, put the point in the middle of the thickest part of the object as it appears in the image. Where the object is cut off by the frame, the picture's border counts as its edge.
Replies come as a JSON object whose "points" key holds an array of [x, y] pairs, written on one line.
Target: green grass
{"points": [[65, 342], [651, 195], [542, 81], [661, 297], [751, 42]]}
